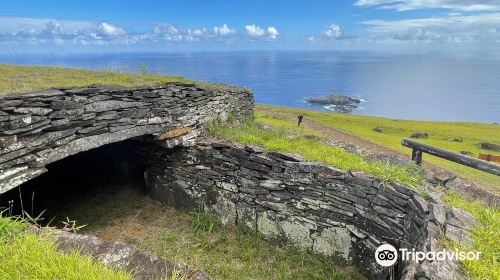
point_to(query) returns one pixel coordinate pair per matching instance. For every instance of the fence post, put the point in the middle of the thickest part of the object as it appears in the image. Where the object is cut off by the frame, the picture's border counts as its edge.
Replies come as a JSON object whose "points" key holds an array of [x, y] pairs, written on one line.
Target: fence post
{"points": [[416, 156]]}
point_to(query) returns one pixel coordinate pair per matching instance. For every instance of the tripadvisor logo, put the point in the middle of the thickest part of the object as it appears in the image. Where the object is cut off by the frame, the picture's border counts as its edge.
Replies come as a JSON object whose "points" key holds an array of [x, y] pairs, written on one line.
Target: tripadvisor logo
{"points": [[387, 255]]}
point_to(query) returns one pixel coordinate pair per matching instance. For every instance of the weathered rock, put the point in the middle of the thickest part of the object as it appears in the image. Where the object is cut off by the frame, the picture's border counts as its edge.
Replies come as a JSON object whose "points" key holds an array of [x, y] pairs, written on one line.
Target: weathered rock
{"points": [[420, 135], [7, 140], [66, 104], [443, 270], [110, 105], [440, 177], [460, 218], [120, 256], [458, 235], [378, 129], [32, 110], [437, 214], [254, 149], [490, 146]]}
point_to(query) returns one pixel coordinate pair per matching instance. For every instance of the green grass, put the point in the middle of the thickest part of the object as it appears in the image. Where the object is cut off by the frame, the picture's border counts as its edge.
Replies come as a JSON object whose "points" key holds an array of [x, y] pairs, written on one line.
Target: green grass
{"points": [[395, 130], [26, 255], [196, 239], [312, 149], [485, 237], [17, 79]]}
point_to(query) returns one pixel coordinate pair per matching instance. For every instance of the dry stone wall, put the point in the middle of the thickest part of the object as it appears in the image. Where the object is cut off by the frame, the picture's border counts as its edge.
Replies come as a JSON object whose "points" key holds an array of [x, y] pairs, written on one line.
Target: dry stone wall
{"points": [[42, 127], [313, 206]]}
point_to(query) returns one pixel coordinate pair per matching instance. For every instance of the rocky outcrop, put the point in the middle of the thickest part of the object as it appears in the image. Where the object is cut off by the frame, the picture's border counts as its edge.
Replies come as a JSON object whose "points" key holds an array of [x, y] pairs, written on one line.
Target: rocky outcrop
{"points": [[338, 103], [42, 127], [331, 212]]}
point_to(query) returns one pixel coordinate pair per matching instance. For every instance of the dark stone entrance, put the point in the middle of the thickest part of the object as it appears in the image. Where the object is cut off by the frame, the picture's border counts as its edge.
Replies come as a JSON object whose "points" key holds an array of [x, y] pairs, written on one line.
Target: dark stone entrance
{"points": [[75, 179]]}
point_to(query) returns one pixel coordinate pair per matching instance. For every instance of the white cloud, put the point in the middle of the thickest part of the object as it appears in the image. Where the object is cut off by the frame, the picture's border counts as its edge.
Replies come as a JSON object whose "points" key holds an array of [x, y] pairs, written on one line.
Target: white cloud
{"points": [[224, 30], [170, 33], [254, 31], [272, 32], [165, 29], [53, 28], [197, 31], [333, 31], [107, 30], [406, 5]]}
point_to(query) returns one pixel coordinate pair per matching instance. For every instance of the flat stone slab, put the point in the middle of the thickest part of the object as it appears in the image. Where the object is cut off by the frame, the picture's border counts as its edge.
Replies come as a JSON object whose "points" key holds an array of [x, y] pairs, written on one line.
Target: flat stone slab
{"points": [[121, 256]]}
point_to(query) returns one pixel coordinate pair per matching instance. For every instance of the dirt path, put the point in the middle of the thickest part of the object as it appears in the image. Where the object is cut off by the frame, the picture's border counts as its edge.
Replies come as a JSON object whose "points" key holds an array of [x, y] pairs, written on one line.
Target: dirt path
{"points": [[462, 185]]}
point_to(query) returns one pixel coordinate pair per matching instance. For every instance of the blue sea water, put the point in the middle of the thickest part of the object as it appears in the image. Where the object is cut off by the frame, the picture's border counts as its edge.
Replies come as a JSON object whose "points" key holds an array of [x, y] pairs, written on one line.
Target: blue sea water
{"points": [[424, 86]]}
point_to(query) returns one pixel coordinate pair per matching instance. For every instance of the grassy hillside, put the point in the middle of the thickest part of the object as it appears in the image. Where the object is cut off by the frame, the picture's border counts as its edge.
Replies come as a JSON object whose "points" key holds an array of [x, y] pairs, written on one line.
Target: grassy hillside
{"points": [[15, 78], [393, 131]]}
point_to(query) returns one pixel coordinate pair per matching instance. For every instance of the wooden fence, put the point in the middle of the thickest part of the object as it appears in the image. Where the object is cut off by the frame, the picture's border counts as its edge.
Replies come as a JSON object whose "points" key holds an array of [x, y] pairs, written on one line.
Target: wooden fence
{"points": [[419, 149]]}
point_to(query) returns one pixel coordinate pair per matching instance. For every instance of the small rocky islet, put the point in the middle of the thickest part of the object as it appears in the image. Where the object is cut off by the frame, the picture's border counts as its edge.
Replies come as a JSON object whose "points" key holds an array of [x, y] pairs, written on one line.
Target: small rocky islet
{"points": [[336, 102]]}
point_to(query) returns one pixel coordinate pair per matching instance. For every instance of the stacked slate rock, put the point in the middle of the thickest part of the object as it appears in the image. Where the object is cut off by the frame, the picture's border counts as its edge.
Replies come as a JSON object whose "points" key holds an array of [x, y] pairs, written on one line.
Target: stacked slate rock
{"points": [[42, 127], [328, 211]]}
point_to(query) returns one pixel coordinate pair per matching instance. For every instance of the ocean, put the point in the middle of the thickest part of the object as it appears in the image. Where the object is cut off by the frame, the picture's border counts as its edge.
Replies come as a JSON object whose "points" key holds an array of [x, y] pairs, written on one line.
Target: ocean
{"points": [[422, 86]]}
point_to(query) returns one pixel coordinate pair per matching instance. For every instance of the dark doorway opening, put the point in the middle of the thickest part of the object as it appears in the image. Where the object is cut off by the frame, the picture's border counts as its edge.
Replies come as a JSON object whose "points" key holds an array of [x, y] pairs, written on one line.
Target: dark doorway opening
{"points": [[72, 186]]}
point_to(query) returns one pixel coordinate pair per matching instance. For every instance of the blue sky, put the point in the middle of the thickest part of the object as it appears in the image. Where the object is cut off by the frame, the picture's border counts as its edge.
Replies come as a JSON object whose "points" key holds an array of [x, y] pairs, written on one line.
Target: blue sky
{"points": [[100, 26]]}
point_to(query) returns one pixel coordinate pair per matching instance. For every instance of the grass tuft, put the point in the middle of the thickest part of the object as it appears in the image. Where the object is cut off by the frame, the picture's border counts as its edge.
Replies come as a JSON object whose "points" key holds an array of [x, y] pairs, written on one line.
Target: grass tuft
{"points": [[205, 222], [27, 255], [485, 237]]}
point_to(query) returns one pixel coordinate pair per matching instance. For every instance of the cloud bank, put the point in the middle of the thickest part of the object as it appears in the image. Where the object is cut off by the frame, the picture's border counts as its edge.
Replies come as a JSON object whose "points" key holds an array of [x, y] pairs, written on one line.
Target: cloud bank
{"points": [[58, 32], [407, 5], [454, 29]]}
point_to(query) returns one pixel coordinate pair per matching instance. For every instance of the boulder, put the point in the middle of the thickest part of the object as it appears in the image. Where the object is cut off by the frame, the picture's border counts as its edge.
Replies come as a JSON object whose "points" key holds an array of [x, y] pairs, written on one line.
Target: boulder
{"points": [[490, 146], [420, 135], [440, 177], [460, 218], [254, 149]]}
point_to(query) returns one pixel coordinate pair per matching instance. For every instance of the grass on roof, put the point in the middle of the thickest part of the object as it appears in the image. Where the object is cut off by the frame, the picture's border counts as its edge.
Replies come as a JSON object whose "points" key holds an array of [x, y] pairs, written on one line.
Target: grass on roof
{"points": [[313, 149], [19, 79]]}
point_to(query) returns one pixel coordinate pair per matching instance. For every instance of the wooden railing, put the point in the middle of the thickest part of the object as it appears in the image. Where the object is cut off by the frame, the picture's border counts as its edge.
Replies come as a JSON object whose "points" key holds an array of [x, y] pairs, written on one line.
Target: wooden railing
{"points": [[419, 149]]}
